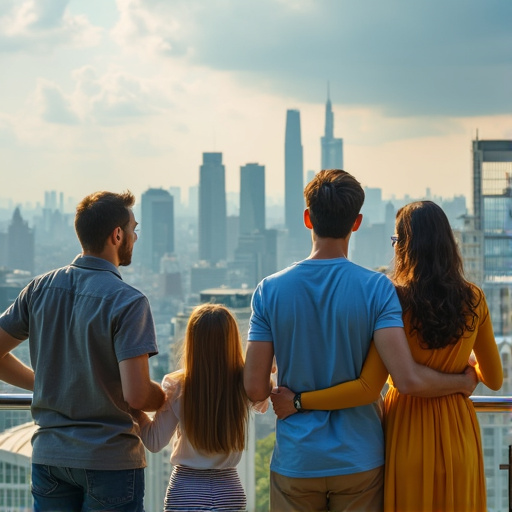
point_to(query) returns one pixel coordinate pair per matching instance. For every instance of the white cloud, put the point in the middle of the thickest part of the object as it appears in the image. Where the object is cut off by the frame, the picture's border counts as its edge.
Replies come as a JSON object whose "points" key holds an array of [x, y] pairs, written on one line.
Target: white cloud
{"points": [[153, 26], [122, 98], [54, 107], [188, 76], [116, 97], [112, 98], [406, 58], [42, 25]]}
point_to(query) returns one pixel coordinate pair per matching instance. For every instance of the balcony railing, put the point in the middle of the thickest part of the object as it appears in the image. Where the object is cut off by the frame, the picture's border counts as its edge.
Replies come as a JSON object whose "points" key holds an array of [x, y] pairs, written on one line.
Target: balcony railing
{"points": [[15, 401], [483, 404], [492, 403]]}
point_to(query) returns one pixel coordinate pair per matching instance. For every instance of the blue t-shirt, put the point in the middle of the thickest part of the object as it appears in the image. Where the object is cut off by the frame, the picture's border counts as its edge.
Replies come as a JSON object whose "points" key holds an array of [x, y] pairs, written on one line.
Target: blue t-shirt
{"points": [[81, 321], [320, 315]]}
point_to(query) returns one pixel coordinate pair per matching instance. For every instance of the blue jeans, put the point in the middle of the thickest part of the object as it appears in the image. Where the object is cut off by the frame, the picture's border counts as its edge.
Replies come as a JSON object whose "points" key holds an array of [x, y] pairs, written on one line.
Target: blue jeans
{"points": [[61, 489]]}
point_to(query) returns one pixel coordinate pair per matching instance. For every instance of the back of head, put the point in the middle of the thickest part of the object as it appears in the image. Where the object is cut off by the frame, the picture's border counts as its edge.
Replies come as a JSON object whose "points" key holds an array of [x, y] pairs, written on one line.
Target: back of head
{"points": [[429, 275], [334, 198], [214, 400], [98, 214], [426, 247]]}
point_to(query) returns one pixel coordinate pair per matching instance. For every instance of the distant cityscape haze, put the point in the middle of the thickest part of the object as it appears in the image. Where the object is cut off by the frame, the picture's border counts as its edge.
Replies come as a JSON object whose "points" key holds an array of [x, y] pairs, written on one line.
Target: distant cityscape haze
{"points": [[128, 94]]}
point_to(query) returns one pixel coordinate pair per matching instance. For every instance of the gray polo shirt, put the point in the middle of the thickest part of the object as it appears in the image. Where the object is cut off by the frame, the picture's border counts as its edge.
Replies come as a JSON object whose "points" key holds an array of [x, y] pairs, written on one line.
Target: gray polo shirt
{"points": [[81, 321]]}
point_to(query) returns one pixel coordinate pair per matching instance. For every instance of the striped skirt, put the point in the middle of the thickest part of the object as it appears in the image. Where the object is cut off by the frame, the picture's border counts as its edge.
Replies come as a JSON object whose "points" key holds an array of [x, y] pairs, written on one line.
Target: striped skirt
{"points": [[204, 489]]}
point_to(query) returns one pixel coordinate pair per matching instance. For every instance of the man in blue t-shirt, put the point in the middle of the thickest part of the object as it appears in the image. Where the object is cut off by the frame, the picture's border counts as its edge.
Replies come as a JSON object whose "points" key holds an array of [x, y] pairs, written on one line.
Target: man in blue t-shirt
{"points": [[318, 318], [90, 337]]}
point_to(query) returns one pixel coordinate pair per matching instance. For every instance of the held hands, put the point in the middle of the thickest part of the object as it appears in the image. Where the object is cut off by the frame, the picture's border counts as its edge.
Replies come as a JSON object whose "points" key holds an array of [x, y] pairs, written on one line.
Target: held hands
{"points": [[170, 386], [282, 402]]}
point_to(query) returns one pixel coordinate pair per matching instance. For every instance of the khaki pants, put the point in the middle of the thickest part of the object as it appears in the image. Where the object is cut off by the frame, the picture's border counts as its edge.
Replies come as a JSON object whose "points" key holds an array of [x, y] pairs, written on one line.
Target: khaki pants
{"points": [[351, 493]]}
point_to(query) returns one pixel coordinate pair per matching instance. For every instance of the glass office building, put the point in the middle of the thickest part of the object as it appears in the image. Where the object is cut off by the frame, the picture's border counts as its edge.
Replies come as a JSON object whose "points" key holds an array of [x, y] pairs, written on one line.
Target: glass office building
{"points": [[492, 206], [492, 203]]}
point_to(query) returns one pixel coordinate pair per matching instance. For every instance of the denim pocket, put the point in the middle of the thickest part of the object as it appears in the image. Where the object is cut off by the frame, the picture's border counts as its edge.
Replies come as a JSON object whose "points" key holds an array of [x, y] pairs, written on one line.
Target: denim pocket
{"points": [[43, 482], [111, 488]]}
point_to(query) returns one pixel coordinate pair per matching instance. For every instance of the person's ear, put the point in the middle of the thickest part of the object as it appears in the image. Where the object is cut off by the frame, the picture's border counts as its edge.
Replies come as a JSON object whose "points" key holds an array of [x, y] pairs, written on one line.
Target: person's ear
{"points": [[116, 236], [307, 219], [357, 222]]}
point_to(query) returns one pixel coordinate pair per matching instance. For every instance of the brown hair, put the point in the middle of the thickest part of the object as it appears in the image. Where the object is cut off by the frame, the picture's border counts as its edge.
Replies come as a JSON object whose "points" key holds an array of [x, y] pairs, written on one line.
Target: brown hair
{"points": [[429, 276], [334, 198], [98, 214], [215, 406]]}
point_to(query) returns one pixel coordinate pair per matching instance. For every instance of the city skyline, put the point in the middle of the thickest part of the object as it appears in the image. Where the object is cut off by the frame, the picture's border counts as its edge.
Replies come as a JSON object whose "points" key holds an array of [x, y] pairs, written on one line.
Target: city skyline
{"points": [[130, 94]]}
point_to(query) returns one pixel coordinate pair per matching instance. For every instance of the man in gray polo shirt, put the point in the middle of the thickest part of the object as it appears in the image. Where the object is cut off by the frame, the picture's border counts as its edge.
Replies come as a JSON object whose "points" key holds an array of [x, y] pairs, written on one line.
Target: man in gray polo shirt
{"points": [[90, 337]]}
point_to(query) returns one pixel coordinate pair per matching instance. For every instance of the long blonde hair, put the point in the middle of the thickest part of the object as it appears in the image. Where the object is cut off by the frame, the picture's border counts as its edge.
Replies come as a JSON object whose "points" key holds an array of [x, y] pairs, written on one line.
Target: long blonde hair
{"points": [[215, 406]]}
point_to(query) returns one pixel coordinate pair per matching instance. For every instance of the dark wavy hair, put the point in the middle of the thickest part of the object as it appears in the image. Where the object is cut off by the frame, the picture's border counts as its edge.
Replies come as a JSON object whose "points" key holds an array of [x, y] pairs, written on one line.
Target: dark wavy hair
{"points": [[429, 276]]}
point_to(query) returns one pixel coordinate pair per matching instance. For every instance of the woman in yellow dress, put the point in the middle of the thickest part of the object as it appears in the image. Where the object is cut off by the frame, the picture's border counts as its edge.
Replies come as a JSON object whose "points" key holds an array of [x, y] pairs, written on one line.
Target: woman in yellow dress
{"points": [[434, 458]]}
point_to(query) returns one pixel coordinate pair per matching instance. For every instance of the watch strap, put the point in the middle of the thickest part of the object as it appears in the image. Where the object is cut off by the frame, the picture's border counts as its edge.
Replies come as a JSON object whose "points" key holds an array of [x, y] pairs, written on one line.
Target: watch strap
{"points": [[297, 402]]}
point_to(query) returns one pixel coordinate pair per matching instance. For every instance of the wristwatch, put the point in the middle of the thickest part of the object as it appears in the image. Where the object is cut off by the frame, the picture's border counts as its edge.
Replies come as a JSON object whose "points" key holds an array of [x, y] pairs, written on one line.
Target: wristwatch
{"points": [[297, 402]]}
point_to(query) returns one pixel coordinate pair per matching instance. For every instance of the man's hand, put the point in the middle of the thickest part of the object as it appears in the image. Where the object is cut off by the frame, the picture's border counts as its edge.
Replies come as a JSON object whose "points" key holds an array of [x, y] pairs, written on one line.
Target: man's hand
{"points": [[471, 380], [282, 402]]}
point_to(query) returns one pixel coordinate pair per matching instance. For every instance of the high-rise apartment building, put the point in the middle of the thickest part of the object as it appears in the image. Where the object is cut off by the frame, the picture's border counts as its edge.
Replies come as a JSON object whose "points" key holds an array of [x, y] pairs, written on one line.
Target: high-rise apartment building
{"points": [[157, 227], [178, 203], [471, 245], [492, 206], [252, 199], [489, 243], [51, 202], [20, 244], [293, 176], [332, 148], [255, 258], [212, 209]]}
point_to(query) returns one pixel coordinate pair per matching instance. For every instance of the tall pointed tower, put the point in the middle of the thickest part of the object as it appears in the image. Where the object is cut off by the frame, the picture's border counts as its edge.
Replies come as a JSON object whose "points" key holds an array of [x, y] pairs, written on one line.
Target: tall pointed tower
{"points": [[332, 148]]}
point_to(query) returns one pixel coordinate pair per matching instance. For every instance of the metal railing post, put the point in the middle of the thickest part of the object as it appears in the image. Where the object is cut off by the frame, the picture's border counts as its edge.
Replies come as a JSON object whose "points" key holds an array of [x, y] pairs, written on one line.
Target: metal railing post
{"points": [[508, 467]]}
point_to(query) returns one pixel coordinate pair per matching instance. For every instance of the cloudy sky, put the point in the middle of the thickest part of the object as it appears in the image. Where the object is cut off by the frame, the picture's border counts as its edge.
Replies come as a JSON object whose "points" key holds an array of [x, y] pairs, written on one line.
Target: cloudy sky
{"points": [[127, 94]]}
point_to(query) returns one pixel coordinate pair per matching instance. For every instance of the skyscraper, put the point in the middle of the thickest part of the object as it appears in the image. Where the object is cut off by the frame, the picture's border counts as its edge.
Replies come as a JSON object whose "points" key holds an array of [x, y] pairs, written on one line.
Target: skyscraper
{"points": [[20, 244], [491, 228], [332, 149], [157, 227], [252, 198], [293, 177], [492, 207], [212, 209]]}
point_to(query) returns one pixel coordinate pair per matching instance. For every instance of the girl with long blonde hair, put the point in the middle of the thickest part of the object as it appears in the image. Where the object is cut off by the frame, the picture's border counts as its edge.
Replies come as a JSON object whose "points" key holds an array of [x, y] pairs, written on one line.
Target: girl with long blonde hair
{"points": [[208, 410]]}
